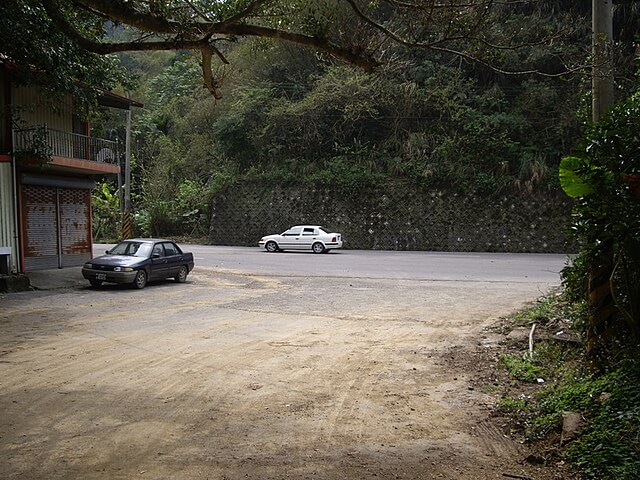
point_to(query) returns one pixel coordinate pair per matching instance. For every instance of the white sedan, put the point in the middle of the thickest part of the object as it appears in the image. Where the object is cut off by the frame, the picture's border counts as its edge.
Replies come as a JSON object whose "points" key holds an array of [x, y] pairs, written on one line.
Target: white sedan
{"points": [[302, 237]]}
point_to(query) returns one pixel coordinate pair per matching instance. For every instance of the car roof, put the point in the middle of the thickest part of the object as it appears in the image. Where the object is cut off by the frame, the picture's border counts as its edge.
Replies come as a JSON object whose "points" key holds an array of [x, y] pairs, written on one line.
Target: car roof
{"points": [[307, 226], [147, 240]]}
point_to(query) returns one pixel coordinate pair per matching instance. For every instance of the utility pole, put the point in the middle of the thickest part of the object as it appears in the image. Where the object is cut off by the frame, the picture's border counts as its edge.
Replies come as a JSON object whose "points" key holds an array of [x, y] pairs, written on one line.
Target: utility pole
{"points": [[602, 47], [602, 317], [127, 229]]}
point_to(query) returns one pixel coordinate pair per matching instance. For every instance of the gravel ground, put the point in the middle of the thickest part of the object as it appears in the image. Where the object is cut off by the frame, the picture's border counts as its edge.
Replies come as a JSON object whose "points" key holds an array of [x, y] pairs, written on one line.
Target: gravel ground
{"points": [[233, 375]]}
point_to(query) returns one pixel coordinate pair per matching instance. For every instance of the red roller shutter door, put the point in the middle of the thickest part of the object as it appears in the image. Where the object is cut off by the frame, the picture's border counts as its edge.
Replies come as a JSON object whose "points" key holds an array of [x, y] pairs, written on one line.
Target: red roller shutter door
{"points": [[56, 227], [75, 226]]}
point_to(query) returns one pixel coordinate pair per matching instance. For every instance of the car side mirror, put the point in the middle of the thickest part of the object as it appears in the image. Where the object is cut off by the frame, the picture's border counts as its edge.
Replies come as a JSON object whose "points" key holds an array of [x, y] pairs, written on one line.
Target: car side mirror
{"points": [[108, 252]]}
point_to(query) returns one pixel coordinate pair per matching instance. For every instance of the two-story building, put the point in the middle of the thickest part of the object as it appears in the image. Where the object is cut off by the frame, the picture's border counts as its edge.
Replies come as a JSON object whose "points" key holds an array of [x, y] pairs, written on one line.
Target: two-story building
{"points": [[49, 163]]}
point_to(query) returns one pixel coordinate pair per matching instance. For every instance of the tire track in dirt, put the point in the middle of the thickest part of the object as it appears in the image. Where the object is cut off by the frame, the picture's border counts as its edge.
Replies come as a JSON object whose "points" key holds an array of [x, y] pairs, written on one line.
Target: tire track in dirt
{"points": [[245, 377]]}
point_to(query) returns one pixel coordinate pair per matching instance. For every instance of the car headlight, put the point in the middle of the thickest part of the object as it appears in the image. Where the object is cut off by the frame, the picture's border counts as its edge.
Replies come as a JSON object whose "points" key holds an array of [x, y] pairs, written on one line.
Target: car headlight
{"points": [[88, 265], [122, 269]]}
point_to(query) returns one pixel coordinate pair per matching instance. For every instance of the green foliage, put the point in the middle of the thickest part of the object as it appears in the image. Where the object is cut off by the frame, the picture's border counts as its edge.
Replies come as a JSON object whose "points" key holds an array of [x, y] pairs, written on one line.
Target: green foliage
{"points": [[105, 205], [575, 278], [539, 312], [574, 176], [610, 448], [345, 129], [443, 131], [37, 147], [185, 214], [188, 207], [176, 167], [350, 179], [289, 114], [521, 368], [179, 79], [511, 405], [47, 57], [609, 444], [554, 305], [233, 139], [603, 174], [158, 219]]}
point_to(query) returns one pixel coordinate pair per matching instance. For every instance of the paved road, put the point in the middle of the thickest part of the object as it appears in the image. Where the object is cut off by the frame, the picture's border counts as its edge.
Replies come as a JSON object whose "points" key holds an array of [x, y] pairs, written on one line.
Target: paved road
{"points": [[542, 269], [379, 264]]}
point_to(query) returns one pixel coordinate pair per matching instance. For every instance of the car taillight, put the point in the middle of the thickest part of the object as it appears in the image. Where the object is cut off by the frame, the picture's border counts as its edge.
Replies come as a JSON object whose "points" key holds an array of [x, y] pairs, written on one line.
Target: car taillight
{"points": [[333, 240]]}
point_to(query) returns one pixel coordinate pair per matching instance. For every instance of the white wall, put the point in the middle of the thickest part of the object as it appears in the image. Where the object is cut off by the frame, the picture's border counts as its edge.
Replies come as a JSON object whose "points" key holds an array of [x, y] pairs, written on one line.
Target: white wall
{"points": [[7, 224]]}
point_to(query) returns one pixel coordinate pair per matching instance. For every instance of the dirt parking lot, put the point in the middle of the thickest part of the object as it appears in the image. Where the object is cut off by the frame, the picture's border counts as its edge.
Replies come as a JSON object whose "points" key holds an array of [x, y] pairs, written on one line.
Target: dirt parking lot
{"points": [[235, 376]]}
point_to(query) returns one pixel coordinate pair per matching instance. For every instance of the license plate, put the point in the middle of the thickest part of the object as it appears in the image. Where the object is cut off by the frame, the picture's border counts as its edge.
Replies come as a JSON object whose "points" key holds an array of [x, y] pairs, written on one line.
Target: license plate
{"points": [[101, 276]]}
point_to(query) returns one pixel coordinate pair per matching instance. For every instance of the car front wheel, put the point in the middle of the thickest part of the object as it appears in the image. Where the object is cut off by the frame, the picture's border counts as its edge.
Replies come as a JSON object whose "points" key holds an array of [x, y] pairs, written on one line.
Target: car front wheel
{"points": [[318, 247], [140, 280], [271, 247], [182, 275]]}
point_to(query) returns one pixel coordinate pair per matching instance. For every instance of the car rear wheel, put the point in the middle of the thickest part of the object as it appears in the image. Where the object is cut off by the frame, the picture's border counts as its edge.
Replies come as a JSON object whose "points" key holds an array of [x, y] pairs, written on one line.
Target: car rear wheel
{"points": [[181, 277], [318, 247], [95, 283], [271, 247], [140, 280]]}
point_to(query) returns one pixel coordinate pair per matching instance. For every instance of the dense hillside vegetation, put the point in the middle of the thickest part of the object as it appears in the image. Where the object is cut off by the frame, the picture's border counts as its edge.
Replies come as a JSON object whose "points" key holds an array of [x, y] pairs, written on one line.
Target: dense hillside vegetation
{"points": [[288, 116], [429, 122]]}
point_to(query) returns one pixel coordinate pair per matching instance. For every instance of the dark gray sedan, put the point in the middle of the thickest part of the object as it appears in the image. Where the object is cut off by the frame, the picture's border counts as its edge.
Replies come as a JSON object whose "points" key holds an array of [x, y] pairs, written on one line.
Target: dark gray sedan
{"points": [[139, 260]]}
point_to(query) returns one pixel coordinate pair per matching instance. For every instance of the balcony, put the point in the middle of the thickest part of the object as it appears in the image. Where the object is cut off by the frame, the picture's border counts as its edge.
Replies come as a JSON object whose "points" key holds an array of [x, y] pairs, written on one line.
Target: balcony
{"points": [[42, 146]]}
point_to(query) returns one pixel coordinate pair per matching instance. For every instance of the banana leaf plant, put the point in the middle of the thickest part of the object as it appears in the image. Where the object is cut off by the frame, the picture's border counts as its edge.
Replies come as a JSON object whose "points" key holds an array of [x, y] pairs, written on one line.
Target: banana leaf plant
{"points": [[603, 176]]}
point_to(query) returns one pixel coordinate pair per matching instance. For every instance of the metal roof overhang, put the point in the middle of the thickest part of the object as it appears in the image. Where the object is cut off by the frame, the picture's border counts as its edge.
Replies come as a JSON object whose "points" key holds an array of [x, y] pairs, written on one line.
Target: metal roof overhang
{"points": [[107, 98], [62, 182]]}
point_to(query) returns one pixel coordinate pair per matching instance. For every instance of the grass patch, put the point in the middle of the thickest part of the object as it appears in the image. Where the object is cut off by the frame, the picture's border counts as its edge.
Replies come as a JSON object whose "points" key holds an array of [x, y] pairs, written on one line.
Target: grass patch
{"points": [[548, 361], [542, 311], [511, 405], [520, 368], [548, 309], [609, 444]]}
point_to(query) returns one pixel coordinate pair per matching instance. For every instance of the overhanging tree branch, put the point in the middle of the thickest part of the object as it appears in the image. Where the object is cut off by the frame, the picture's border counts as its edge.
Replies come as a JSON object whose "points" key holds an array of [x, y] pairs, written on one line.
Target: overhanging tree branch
{"points": [[252, 8], [469, 36], [124, 12], [358, 58], [461, 28]]}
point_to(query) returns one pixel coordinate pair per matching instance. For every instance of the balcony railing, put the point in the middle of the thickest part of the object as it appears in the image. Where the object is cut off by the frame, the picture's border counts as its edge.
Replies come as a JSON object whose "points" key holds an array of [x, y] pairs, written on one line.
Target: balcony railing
{"points": [[46, 142]]}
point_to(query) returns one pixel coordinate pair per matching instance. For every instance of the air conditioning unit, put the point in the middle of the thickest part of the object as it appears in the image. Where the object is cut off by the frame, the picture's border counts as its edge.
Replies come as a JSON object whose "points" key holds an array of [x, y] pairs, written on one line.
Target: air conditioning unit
{"points": [[105, 155]]}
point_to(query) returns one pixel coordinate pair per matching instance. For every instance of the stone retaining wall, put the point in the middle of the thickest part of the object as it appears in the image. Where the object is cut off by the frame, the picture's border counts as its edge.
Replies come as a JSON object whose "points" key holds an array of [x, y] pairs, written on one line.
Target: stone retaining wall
{"points": [[398, 218]]}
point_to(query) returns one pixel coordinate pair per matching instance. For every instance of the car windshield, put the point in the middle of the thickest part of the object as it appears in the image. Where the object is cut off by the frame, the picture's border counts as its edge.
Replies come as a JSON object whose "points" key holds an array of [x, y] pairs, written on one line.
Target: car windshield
{"points": [[133, 249], [325, 230]]}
